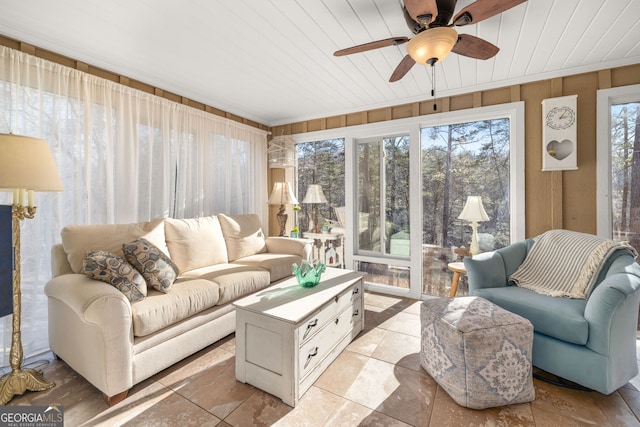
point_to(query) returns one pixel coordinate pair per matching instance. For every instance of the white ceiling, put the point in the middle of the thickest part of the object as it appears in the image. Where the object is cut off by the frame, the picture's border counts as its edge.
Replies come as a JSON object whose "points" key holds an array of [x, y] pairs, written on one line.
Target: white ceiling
{"points": [[272, 61]]}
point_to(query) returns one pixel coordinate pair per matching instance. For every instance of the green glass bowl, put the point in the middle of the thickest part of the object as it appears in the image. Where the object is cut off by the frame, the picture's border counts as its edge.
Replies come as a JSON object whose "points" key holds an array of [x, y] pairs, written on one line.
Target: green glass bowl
{"points": [[308, 275]]}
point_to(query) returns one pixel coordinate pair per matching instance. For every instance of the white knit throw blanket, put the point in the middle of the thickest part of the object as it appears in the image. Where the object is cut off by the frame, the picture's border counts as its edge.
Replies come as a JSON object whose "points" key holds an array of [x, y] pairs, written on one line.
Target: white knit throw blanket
{"points": [[565, 263]]}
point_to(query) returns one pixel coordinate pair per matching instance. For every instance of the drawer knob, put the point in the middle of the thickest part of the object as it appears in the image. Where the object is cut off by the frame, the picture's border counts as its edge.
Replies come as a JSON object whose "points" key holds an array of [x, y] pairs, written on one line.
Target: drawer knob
{"points": [[336, 299], [356, 290], [356, 312], [337, 321]]}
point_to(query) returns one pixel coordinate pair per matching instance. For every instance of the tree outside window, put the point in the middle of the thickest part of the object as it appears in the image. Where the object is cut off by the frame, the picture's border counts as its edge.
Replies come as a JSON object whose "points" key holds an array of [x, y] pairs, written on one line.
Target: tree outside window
{"points": [[625, 172]]}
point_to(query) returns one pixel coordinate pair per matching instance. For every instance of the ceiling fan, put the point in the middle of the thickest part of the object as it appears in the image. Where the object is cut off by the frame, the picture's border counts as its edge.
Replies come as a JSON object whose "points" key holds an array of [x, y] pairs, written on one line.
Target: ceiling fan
{"points": [[434, 35]]}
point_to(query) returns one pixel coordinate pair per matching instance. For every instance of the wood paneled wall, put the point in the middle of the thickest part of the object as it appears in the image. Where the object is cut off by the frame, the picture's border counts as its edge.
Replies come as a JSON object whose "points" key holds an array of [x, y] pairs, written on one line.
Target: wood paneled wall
{"points": [[559, 199]]}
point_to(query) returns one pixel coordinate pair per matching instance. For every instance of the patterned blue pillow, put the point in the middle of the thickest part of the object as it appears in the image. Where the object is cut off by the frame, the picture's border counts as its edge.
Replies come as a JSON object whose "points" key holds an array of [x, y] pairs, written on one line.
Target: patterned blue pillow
{"points": [[155, 266], [110, 268]]}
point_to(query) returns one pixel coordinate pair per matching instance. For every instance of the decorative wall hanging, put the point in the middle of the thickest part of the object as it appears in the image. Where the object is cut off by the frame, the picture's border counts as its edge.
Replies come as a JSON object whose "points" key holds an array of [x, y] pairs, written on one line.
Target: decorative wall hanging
{"points": [[559, 133]]}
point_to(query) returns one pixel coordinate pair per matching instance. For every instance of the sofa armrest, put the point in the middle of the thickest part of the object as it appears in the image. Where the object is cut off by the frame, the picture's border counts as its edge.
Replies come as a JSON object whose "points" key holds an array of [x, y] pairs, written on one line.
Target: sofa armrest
{"points": [[492, 269], [59, 262], [90, 328], [485, 270], [286, 245], [612, 308]]}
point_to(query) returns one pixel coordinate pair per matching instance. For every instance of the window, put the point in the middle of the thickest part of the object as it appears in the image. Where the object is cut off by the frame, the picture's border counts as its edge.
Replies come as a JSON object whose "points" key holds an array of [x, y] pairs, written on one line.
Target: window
{"points": [[123, 156], [400, 230], [321, 162], [383, 196], [618, 164], [382, 220], [461, 160]]}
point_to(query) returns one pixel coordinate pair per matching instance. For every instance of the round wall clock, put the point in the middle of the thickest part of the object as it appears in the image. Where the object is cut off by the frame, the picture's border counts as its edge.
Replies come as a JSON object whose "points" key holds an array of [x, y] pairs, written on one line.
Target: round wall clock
{"points": [[561, 117]]}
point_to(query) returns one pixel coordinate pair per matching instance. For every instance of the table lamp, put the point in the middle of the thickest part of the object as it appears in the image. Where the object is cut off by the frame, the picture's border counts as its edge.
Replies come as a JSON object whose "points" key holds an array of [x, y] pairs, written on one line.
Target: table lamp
{"points": [[314, 196], [26, 166], [474, 211], [282, 195]]}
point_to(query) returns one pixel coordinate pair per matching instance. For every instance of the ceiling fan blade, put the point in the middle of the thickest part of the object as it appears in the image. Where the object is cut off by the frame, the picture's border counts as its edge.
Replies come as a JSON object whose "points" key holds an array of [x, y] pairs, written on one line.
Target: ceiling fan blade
{"points": [[402, 69], [422, 11], [483, 9], [474, 47], [393, 41]]}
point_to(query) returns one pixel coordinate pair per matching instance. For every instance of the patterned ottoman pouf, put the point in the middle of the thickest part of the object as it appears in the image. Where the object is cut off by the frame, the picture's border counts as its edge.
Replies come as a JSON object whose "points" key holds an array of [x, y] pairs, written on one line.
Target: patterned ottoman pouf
{"points": [[478, 352]]}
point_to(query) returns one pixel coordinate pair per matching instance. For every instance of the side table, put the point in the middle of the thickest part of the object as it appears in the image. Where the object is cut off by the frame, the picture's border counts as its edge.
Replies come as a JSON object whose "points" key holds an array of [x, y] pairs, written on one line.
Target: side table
{"points": [[458, 269], [321, 241]]}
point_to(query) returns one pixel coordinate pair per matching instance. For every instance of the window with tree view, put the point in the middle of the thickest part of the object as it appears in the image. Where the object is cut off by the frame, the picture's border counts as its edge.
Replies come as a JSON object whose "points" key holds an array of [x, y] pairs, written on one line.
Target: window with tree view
{"points": [[625, 172], [383, 237], [461, 160], [322, 163]]}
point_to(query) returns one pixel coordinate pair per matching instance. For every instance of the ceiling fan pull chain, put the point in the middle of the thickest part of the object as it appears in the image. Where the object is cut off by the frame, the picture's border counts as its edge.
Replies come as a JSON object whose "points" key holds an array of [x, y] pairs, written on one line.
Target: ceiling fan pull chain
{"points": [[433, 86]]}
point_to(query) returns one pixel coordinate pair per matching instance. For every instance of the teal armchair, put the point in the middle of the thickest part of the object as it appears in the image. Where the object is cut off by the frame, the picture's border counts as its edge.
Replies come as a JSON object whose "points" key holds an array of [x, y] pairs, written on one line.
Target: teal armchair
{"points": [[590, 342]]}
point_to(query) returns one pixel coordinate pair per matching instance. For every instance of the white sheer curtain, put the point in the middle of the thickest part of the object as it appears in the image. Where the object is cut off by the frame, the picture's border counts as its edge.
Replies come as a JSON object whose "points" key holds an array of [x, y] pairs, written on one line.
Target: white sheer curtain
{"points": [[124, 156]]}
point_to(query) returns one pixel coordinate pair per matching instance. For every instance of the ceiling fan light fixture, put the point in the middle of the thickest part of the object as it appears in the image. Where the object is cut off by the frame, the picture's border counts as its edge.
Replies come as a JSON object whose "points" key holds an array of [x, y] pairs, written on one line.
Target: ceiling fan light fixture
{"points": [[432, 45]]}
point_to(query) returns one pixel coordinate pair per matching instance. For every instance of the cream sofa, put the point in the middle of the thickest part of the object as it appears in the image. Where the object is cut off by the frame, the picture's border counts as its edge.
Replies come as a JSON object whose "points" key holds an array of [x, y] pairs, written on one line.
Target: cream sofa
{"points": [[115, 343]]}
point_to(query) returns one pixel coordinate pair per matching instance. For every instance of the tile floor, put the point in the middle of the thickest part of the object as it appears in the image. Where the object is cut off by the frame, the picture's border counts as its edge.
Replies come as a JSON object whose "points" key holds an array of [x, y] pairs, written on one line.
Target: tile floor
{"points": [[376, 381]]}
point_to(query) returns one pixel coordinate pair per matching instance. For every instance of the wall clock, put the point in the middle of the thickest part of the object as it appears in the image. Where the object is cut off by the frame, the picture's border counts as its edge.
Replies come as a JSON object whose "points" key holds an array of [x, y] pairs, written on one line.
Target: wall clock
{"points": [[559, 133]]}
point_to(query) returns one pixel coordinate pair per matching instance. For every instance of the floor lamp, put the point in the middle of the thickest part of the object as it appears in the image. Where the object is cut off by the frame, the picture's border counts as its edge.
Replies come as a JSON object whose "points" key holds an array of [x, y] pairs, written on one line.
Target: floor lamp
{"points": [[26, 165], [474, 211], [282, 195]]}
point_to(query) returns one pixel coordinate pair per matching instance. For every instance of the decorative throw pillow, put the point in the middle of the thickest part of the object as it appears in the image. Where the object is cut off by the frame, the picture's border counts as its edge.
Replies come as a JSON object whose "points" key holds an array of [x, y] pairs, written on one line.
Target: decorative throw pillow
{"points": [[109, 268], [155, 266]]}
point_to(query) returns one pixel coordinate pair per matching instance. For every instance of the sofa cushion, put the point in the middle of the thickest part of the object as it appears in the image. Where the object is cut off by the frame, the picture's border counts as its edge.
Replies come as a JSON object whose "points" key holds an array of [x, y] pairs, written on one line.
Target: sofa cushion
{"points": [[195, 242], [112, 269], [234, 280], [77, 240], [243, 235], [159, 310], [561, 318], [279, 266], [157, 268]]}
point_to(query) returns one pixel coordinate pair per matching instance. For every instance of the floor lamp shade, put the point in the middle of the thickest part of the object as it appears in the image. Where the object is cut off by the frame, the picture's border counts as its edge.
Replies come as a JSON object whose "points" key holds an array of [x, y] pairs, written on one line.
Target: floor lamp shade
{"points": [[27, 163]]}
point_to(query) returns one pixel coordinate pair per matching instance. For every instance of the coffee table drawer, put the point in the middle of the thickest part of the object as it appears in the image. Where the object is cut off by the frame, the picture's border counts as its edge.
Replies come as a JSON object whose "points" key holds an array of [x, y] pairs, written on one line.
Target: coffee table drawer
{"points": [[317, 348], [329, 312]]}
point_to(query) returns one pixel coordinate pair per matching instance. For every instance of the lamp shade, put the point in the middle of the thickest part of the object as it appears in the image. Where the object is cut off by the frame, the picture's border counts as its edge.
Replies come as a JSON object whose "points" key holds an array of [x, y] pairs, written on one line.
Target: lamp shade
{"points": [[282, 194], [314, 195], [27, 163], [473, 210], [432, 45]]}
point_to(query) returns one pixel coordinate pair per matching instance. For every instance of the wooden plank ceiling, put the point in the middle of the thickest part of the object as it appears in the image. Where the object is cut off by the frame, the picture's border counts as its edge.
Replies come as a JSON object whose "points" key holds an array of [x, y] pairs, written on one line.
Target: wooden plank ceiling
{"points": [[272, 60]]}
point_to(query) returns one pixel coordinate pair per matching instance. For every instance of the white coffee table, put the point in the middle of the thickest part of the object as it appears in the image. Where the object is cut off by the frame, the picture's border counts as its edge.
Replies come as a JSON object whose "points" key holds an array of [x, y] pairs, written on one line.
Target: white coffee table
{"points": [[287, 335]]}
